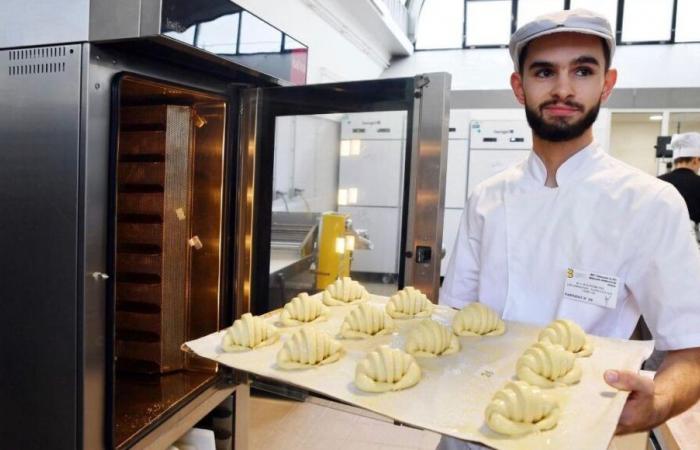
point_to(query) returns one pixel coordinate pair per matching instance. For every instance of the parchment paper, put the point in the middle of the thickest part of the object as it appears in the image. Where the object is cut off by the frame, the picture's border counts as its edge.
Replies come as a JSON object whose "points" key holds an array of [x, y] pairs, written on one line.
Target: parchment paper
{"points": [[454, 390]]}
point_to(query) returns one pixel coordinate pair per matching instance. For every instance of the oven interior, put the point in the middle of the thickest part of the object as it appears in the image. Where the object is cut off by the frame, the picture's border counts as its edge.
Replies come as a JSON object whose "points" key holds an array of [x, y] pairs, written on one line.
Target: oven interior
{"points": [[167, 194]]}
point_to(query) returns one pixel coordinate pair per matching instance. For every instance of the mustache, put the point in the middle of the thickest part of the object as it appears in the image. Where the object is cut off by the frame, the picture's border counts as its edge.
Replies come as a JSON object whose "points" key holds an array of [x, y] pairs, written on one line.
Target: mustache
{"points": [[569, 103]]}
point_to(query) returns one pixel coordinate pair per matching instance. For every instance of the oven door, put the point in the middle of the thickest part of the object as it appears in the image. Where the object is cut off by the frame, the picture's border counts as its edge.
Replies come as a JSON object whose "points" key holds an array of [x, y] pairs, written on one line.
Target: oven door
{"points": [[366, 157]]}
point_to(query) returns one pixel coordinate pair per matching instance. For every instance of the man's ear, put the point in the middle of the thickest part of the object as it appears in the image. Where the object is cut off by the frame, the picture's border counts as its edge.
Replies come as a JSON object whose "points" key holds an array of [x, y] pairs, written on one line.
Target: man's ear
{"points": [[516, 83], [608, 84]]}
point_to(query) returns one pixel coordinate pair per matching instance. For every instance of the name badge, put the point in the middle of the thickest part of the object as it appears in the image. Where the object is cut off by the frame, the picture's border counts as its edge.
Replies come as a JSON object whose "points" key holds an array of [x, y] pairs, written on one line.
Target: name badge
{"points": [[590, 287]]}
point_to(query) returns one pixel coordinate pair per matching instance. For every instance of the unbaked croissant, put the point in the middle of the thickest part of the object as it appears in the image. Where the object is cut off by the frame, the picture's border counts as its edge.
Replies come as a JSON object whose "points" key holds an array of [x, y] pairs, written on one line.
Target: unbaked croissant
{"points": [[477, 319], [247, 333], [344, 291], [387, 369], [569, 335], [303, 309], [520, 408], [409, 302], [307, 348], [430, 338], [366, 320], [546, 365]]}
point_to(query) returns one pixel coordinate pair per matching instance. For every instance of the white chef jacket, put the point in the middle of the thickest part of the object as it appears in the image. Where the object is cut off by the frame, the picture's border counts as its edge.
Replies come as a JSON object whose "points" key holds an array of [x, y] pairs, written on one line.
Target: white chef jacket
{"points": [[517, 238]]}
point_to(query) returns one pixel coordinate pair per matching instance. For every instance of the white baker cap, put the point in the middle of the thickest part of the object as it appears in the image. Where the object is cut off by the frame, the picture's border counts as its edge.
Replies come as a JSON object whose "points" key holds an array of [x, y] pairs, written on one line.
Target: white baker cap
{"points": [[569, 21], [686, 145]]}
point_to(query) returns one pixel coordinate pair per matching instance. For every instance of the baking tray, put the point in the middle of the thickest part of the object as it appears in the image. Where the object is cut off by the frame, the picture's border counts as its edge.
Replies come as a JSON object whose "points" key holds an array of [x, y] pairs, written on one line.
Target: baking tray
{"points": [[454, 390]]}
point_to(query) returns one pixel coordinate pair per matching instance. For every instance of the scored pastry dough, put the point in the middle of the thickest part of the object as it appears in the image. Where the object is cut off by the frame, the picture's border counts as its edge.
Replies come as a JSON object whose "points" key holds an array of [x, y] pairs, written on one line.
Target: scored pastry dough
{"points": [[548, 365], [387, 369], [365, 321], [569, 335], [344, 291], [520, 408], [430, 338], [303, 309], [409, 302], [308, 348], [477, 319], [248, 332]]}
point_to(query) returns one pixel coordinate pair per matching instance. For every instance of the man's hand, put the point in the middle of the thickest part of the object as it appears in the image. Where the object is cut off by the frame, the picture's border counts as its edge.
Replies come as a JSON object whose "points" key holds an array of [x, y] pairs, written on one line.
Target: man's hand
{"points": [[646, 408]]}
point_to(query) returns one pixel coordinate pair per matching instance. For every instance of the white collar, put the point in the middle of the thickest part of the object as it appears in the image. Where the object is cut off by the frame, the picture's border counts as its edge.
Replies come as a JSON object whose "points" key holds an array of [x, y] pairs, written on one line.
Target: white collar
{"points": [[572, 169]]}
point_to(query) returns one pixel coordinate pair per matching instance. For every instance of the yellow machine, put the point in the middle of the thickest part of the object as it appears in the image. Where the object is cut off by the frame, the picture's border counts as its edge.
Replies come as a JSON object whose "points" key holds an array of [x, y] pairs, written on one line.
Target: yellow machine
{"points": [[335, 249]]}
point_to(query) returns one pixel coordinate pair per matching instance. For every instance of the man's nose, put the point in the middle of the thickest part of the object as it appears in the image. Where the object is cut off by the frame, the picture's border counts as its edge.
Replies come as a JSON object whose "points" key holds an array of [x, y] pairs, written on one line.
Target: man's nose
{"points": [[562, 87]]}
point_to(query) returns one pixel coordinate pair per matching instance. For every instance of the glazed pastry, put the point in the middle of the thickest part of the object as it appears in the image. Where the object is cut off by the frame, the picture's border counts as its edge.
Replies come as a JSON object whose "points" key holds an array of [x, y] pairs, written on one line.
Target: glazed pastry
{"points": [[477, 319], [430, 338], [344, 291], [520, 408], [387, 369], [308, 348], [248, 332], [547, 365], [408, 303], [569, 335], [365, 321], [303, 309]]}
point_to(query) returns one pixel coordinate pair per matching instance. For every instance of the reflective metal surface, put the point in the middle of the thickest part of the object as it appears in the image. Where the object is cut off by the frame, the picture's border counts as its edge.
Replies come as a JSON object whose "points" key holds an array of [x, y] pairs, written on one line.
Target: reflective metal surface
{"points": [[40, 286], [246, 180], [23, 25], [124, 19], [427, 180], [227, 30], [207, 201], [146, 399]]}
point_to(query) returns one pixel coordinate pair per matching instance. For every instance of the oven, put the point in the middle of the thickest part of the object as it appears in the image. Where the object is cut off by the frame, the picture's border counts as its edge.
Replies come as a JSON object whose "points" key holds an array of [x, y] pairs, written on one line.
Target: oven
{"points": [[135, 214]]}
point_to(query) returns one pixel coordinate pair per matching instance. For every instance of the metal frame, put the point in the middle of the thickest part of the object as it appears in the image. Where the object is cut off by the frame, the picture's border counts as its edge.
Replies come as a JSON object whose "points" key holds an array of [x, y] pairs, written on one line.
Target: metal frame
{"points": [[567, 5], [246, 195], [428, 99], [426, 179]]}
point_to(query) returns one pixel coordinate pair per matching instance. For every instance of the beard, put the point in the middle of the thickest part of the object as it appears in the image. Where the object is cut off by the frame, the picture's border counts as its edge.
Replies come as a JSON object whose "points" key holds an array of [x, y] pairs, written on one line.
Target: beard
{"points": [[560, 130]]}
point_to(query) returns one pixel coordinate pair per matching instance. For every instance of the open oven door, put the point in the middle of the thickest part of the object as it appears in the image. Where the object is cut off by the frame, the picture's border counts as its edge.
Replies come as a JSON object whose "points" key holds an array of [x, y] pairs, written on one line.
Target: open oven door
{"points": [[360, 162]]}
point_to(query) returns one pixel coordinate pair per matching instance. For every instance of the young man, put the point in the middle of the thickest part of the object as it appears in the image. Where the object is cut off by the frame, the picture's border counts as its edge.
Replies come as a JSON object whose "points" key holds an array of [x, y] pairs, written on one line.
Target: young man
{"points": [[572, 206], [684, 176]]}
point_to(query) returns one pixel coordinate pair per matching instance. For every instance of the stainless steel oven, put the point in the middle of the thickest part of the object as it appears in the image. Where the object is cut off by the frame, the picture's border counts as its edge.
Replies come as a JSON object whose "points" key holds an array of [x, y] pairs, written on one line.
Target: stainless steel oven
{"points": [[135, 193]]}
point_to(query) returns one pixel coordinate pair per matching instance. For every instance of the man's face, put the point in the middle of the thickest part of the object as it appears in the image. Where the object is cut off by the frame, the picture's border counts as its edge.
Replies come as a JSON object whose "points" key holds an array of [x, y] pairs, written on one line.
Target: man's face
{"points": [[563, 84]]}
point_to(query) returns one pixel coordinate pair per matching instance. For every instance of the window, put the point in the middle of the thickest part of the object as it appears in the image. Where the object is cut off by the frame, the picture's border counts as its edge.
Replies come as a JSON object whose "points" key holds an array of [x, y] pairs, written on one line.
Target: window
{"points": [[440, 24], [292, 44], [529, 9], [683, 122], [647, 20], [608, 8], [186, 36], [687, 27], [258, 36], [219, 35], [488, 22]]}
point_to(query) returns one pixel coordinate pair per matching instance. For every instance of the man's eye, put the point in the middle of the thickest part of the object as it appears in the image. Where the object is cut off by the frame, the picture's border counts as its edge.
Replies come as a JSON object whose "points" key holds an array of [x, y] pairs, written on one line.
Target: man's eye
{"points": [[543, 73], [584, 71]]}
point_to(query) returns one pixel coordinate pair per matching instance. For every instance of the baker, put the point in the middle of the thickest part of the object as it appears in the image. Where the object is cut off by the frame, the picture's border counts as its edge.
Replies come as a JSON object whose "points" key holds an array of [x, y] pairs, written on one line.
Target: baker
{"points": [[572, 209]]}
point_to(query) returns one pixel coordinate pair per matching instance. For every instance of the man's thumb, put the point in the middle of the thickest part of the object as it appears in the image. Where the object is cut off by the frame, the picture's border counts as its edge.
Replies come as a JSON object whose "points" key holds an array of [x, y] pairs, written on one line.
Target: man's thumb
{"points": [[629, 381]]}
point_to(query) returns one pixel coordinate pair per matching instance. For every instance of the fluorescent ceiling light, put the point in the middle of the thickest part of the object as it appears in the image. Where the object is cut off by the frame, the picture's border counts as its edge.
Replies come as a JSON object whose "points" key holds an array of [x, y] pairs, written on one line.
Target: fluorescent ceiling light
{"points": [[656, 117]]}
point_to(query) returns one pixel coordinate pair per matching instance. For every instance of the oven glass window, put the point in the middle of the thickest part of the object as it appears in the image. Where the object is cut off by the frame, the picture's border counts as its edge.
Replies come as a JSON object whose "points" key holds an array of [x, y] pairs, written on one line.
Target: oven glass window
{"points": [[337, 202]]}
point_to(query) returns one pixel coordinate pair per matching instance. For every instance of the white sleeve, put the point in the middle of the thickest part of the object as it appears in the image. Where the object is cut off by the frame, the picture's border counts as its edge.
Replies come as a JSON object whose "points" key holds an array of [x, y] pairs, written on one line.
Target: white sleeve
{"points": [[665, 277], [461, 283]]}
